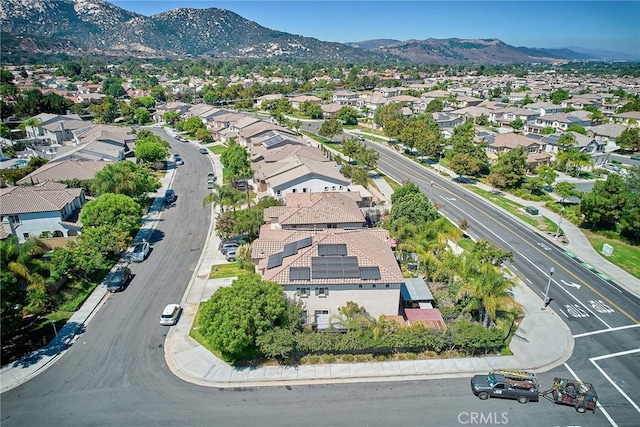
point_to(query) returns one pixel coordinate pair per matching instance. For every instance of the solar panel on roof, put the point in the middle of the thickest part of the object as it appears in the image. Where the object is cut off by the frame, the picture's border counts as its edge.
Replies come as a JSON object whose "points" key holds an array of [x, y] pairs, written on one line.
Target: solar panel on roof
{"points": [[290, 249], [370, 273], [332, 249], [274, 260], [335, 267], [305, 243], [299, 273]]}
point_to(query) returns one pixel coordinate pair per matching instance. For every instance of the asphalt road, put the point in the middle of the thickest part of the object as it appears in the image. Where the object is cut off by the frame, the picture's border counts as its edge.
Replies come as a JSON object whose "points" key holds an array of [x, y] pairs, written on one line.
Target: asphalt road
{"points": [[598, 310], [115, 373]]}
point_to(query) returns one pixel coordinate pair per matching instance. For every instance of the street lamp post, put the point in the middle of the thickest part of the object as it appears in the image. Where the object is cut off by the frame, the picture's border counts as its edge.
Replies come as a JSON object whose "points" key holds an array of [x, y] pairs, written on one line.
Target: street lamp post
{"points": [[53, 323], [559, 223], [431, 193], [546, 291]]}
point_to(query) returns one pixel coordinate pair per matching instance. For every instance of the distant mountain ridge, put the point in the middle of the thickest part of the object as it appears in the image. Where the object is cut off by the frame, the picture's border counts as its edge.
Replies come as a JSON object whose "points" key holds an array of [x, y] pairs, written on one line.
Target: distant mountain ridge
{"points": [[455, 50], [96, 26]]}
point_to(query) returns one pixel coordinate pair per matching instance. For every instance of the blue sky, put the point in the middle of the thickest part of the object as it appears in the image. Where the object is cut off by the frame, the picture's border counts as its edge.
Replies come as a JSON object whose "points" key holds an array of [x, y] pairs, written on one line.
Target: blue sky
{"points": [[591, 24]]}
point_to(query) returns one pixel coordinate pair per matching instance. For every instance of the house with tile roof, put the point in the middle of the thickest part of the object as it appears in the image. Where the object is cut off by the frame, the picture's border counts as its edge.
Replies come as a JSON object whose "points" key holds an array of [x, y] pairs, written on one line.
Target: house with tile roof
{"points": [[99, 142], [55, 128], [30, 211], [630, 118], [316, 211], [297, 101], [326, 269], [606, 134], [544, 108], [176, 106], [584, 143], [371, 103], [562, 121], [254, 133], [345, 97], [298, 174], [330, 110], [505, 116], [58, 171], [504, 142]]}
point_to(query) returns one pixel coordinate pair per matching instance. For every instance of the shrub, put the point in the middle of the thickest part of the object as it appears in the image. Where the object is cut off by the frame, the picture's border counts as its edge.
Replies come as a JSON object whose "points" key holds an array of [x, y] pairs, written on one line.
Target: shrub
{"points": [[348, 358], [328, 358], [313, 359]]}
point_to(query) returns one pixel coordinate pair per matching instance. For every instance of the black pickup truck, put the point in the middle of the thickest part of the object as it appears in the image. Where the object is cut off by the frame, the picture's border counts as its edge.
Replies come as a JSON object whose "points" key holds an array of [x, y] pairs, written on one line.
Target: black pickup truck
{"points": [[497, 385]]}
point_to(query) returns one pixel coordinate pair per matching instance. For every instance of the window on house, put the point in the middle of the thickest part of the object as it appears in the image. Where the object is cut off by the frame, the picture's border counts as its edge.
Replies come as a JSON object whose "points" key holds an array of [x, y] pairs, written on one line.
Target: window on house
{"points": [[360, 286], [25, 235], [333, 188], [322, 292], [302, 292], [326, 188], [293, 191], [304, 190], [386, 286], [373, 286], [278, 193], [332, 225], [13, 218], [341, 187]]}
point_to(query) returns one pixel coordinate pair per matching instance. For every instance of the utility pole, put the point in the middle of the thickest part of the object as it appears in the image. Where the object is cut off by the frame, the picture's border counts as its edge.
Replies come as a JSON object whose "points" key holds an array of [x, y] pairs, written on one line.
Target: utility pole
{"points": [[559, 223], [546, 291]]}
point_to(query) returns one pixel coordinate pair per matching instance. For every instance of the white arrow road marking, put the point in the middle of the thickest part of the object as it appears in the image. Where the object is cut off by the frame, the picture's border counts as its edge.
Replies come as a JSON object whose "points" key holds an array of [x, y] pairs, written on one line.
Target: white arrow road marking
{"points": [[573, 285]]}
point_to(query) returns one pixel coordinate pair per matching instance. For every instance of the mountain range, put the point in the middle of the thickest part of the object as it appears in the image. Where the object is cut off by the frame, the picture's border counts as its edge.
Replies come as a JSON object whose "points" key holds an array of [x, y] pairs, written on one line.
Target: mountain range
{"points": [[83, 27]]}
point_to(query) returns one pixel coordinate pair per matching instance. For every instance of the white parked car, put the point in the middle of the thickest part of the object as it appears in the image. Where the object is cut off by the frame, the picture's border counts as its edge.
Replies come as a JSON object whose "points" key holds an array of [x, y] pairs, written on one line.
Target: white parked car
{"points": [[140, 251], [170, 315]]}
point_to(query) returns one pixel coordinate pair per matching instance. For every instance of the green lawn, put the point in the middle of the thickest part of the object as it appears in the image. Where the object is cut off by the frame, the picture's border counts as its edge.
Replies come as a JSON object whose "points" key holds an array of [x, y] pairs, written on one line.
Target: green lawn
{"points": [[225, 270], [217, 149], [624, 256], [540, 222]]}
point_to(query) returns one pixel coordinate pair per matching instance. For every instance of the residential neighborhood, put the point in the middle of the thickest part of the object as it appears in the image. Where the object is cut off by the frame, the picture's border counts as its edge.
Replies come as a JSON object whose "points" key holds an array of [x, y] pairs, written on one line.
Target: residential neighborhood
{"points": [[344, 219]]}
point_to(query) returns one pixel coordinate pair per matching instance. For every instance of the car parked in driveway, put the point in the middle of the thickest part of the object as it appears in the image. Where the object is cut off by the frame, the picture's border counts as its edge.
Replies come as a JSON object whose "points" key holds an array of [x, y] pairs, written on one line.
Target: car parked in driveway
{"points": [[118, 279], [226, 247], [231, 255], [170, 314], [140, 251]]}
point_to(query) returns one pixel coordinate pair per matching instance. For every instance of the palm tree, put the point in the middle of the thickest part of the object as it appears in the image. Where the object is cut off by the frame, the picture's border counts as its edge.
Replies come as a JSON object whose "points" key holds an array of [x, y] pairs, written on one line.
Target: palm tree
{"points": [[567, 139], [28, 270], [215, 198], [582, 159], [487, 293]]}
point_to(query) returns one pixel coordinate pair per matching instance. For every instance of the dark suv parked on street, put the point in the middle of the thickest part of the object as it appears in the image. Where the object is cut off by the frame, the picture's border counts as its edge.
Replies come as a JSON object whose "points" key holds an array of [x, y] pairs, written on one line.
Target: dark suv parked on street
{"points": [[118, 279]]}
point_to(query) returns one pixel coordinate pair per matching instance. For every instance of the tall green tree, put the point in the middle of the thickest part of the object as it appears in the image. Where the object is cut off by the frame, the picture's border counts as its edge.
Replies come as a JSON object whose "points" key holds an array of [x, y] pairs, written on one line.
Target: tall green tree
{"points": [[348, 115], [602, 207], [114, 210], [236, 316], [106, 111], [629, 139], [390, 118], [330, 128], [511, 166], [124, 177], [236, 160]]}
